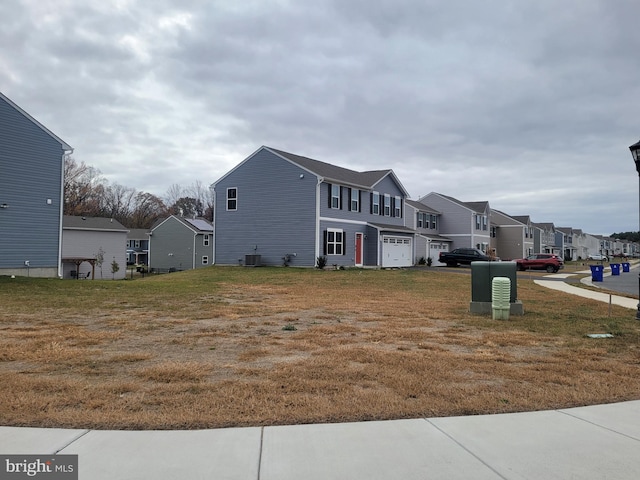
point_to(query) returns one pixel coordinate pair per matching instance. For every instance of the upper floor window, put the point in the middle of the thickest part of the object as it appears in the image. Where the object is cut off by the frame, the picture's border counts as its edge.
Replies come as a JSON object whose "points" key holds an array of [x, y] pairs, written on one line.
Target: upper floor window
{"points": [[355, 200], [232, 198], [481, 222], [205, 240], [434, 222], [136, 244], [387, 205], [420, 220], [335, 196], [397, 207], [375, 203]]}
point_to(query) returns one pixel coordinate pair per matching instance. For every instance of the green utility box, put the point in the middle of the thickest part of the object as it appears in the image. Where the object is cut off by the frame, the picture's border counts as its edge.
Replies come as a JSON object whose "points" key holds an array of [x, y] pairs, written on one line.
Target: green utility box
{"points": [[482, 275]]}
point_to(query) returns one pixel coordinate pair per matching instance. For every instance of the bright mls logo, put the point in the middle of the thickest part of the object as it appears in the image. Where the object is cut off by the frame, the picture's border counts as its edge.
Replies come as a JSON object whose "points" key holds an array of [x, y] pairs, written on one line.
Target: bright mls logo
{"points": [[50, 467]]}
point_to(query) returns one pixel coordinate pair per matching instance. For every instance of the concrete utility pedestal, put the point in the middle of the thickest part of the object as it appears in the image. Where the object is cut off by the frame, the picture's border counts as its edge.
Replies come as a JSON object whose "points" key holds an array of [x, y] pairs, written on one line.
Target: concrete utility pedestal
{"points": [[482, 275]]}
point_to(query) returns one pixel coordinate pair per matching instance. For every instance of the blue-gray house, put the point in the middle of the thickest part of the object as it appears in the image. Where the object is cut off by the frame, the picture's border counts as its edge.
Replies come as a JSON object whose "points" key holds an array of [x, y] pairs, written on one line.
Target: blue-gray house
{"points": [[31, 194], [276, 207]]}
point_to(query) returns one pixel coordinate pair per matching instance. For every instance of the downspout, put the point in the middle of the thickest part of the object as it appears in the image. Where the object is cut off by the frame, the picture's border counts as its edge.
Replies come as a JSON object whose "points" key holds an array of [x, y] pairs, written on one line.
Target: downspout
{"points": [[64, 154], [213, 222], [193, 261], [317, 246]]}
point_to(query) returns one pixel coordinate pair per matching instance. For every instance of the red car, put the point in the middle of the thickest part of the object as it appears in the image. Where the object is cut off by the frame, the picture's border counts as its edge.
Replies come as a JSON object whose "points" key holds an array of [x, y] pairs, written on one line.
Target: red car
{"points": [[541, 261]]}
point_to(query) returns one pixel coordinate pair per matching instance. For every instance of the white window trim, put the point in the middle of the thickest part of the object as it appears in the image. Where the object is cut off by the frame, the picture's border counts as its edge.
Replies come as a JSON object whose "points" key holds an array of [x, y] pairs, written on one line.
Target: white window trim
{"points": [[387, 205], [355, 201], [205, 240], [205, 260], [335, 197], [337, 245], [376, 203], [234, 199], [398, 207]]}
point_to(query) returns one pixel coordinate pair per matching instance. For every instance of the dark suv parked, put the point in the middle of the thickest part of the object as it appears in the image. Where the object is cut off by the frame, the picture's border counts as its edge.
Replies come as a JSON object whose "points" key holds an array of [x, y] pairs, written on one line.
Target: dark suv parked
{"points": [[541, 261]]}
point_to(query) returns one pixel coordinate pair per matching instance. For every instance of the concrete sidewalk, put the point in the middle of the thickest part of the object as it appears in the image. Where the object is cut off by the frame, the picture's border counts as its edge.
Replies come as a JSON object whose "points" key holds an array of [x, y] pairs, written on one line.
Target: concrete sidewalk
{"points": [[584, 443], [626, 283]]}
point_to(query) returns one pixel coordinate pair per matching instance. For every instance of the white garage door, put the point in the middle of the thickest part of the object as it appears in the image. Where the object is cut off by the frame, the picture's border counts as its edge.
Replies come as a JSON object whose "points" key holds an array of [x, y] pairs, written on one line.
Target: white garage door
{"points": [[436, 248], [396, 252]]}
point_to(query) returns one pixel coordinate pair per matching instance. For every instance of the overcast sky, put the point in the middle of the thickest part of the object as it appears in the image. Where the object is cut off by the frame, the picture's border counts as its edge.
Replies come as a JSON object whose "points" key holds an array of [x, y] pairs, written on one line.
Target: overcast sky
{"points": [[530, 105]]}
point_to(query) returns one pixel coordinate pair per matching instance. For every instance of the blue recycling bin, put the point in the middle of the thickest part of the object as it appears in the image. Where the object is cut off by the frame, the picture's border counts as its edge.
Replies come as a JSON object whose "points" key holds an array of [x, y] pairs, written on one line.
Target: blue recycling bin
{"points": [[626, 266], [615, 268], [596, 273]]}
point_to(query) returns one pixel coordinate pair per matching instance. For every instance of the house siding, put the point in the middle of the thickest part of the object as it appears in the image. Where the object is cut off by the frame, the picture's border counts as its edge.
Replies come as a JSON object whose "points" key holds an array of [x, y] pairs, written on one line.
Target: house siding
{"points": [[276, 213], [86, 244], [175, 246], [31, 169]]}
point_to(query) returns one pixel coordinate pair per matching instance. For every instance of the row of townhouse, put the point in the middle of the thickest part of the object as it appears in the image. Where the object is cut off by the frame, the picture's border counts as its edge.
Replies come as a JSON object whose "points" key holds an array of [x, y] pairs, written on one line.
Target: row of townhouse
{"points": [[273, 208], [277, 205]]}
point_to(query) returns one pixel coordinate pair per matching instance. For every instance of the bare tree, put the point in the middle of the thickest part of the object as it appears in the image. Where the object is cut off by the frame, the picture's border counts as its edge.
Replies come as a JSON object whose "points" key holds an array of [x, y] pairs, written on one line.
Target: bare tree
{"points": [[83, 188], [147, 209], [118, 202], [204, 196]]}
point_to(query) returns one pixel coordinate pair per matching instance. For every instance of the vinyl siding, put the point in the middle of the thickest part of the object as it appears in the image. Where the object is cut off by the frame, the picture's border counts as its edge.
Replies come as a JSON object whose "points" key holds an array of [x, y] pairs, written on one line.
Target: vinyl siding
{"points": [[86, 244], [171, 246], [31, 169], [276, 213]]}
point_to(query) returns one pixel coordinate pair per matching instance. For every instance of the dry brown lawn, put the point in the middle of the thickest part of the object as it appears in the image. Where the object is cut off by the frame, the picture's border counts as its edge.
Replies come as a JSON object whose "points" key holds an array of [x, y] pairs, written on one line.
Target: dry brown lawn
{"points": [[237, 346]]}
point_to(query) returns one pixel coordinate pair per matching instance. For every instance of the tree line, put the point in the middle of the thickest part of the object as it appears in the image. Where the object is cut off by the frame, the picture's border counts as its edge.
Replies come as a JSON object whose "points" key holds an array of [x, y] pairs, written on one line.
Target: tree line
{"points": [[88, 193]]}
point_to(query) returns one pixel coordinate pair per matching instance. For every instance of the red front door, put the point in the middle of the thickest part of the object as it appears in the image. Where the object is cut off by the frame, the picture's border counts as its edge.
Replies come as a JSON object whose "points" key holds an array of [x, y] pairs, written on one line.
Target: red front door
{"points": [[359, 247]]}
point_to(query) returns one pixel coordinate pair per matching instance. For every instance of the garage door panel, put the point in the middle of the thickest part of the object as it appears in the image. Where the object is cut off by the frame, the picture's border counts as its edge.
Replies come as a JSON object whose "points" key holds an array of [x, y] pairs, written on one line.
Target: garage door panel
{"points": [[396, 252]]}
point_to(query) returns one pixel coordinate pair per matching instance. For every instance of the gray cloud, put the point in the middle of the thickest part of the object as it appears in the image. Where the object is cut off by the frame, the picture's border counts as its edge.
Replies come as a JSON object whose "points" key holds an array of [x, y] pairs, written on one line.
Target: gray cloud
{"points": [[530, 105]]}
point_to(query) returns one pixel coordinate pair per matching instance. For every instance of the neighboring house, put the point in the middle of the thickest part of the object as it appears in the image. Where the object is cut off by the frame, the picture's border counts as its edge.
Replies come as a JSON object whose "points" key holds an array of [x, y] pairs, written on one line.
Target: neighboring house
{"points": [[465, 223], [91, 245], [511, 238], [544, 239], [570, 250], [138, 246], [585, 244], [178, 243], [277, 205], [426, 221], [31, 197]]}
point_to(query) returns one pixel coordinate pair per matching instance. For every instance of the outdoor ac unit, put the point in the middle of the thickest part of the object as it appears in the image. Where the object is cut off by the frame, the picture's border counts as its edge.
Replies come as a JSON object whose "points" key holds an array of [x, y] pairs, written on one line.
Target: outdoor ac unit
{"points": [[252, 260]]}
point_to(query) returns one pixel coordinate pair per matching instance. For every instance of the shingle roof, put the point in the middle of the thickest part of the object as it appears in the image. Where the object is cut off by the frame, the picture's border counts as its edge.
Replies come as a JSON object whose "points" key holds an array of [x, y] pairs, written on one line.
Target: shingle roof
{"points": [[421, 206], [478, 207], [367, 179], [92, 223]]}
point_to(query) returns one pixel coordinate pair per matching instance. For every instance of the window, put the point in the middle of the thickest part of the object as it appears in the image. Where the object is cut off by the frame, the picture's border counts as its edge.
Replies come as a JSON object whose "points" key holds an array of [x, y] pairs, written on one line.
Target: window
{"points": [[375, 203], [205, 260], [335, 242], [397, 210], [420, 220], [434, 221], [355, 200], [205, 240], [478, 222], [387, 205], [484, 222], [137, 244], [232, 198], [335, 196]]}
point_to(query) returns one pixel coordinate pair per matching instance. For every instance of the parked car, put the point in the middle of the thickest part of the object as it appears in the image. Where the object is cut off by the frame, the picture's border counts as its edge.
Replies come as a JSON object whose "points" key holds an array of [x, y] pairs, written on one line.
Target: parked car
{"points": [[597, 256], [541, 261], [463, 256]]}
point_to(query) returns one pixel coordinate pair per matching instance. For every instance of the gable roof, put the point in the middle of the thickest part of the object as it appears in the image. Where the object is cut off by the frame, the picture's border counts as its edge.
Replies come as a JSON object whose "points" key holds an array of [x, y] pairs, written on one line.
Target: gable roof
{"points": [[421, 206], [62, 143], [138, 234], [509, 218], [477, 207], [197, 225], [70, 222], [328, 172]]}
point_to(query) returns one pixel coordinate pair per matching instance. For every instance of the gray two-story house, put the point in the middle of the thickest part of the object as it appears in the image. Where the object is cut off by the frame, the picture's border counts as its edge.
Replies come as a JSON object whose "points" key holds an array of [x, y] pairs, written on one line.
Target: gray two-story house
{"points": [[426, 223], [511, 237], [31, 194], [178, 243], [278, 208], [465, 223], [138, 246]]}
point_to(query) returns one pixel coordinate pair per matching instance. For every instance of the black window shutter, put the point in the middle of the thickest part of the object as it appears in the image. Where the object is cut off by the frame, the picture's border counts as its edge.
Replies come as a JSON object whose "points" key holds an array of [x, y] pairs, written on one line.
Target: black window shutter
{"points": [[393, 206], [349, 196], [330, 194], [344, 243], [342, 191], [371, 202], [359, 200], [324, 243]]}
